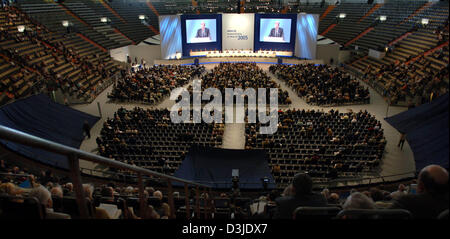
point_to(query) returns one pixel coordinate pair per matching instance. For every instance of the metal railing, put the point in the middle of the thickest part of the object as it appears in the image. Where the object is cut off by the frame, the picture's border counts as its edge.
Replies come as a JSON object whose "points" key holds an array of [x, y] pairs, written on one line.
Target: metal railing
{"points": [[74, 155]]}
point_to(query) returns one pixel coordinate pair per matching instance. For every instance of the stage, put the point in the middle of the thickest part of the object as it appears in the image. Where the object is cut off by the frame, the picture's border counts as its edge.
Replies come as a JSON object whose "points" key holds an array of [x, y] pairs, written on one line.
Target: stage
{"points": [[216, 60]]}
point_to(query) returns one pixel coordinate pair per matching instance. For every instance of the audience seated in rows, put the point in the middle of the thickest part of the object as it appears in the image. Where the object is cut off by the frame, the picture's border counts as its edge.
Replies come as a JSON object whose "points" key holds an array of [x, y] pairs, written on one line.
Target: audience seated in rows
{"points": [[153, 84], [241, 76], [322, 85]]}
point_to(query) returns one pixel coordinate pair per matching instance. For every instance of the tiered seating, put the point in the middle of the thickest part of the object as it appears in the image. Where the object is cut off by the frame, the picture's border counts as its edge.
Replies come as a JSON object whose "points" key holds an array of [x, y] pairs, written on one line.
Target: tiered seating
{"points": [[149, 139], [403, 76], [69, 63], [347, 28], [134, 28], [93, 19], [322, 85], [311, 8], [326, 145], [52, 15], [173, 7], [387, 31]]}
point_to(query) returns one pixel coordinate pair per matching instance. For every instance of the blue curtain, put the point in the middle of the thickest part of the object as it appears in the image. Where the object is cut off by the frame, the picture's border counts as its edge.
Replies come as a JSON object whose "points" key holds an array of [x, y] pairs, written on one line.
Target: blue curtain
{"points": [[426, 129], [213, 167], [39, 116]]}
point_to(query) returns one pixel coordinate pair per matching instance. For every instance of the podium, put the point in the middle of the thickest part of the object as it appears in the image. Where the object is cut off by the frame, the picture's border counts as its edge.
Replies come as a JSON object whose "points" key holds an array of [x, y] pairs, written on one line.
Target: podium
{"points": [[274, 39], [200, 39]]}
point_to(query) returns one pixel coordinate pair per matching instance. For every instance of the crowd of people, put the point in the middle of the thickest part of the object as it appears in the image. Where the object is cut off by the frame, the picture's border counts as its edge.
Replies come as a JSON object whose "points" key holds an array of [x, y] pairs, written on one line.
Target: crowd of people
{"points": [[403, 82], [148, 138], [424, 198], [327, 144], [49, 189], [53, 45], [243, 76], [418, 79], [322, 85], [151, 85]]}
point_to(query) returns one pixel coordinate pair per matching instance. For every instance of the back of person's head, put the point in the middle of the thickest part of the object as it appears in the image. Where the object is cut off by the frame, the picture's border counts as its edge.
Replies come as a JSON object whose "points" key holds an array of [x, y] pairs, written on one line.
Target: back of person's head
{"points": [[150, 190], [376, 194], [334, 198], [273, 195], [88, 190], [288, 191], [107, 192], [43, 195], [176, 194], [129, 190], [358, 201], [302, 184], [326, 192], [433, 179], [56, 191], [69, 186], [10, 189], [158, 194]]}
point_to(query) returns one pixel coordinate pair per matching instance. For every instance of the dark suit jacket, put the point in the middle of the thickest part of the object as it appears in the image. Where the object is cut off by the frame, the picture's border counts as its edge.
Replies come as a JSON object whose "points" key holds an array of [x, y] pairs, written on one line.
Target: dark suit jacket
{"points": [[287, 205], [199, 33], [422, 206], [273, 34]]}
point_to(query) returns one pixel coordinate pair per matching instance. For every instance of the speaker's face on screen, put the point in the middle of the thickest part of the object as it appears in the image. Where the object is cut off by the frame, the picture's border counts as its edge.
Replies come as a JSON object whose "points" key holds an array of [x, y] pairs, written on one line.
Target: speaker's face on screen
{"points": [[277, 25], [203, 25]]}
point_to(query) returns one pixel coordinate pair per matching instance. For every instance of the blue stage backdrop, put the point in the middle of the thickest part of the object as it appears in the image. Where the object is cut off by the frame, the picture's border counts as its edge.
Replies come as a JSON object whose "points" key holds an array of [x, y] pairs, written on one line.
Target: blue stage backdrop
{"points": [[426, 129], [39, 116], [189, 26], [264, 23], [213, 167]]}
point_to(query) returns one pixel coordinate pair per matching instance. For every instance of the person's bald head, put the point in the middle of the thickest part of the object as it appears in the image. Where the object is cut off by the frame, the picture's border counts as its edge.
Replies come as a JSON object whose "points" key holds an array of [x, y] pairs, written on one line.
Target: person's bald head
{"points": [[433, 179]]}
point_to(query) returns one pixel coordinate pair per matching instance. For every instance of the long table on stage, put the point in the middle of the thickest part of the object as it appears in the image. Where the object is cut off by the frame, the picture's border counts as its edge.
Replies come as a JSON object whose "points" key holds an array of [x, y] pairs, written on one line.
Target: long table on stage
{"points": [[240, 53], [215, 60]]}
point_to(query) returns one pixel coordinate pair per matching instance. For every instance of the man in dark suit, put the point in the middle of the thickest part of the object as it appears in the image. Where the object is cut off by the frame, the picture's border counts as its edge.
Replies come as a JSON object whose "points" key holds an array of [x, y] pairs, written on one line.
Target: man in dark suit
{"points": [[203, 31], [277, 31], [303, 196], [432, 194]]}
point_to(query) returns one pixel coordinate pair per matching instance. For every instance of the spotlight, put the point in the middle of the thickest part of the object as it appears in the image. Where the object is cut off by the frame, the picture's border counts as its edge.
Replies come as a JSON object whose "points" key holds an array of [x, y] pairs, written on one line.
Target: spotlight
{"points": [[425, 21], [383, 18], [65, 23], [342, 15], [104, 19], [141, 17]]}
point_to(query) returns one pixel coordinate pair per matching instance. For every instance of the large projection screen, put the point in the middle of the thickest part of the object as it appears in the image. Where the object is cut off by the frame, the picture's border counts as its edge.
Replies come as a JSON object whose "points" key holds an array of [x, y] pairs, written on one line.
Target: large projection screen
{"points": [[170, 30], [306, 36], [237, 31], [201, 32]]}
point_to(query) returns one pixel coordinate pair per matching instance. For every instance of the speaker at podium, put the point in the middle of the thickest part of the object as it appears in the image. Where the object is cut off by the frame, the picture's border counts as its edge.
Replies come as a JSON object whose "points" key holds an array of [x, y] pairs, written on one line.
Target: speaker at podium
{"points": [[196, 61], [280, 60]]}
